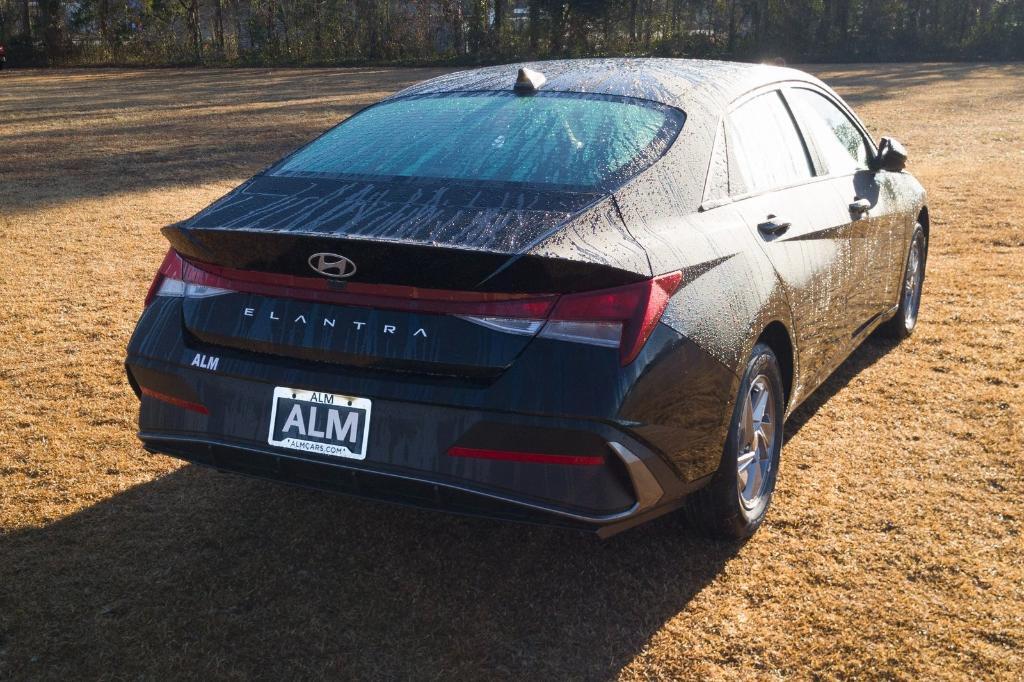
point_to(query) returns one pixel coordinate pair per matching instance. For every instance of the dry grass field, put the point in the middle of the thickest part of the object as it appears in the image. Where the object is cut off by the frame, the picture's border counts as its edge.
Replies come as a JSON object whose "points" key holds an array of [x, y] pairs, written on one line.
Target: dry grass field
{"points": [[894, 549]]}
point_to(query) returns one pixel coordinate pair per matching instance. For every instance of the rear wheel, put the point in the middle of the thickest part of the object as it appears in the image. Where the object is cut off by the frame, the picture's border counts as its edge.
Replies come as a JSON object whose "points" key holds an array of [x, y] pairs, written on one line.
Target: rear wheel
{"points": [[734, 503], [902, 324]]}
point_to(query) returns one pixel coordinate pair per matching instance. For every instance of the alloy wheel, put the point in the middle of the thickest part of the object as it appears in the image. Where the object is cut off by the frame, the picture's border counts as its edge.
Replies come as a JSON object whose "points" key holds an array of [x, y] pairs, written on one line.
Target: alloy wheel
{"points": [[756, 443], [912, 285]]}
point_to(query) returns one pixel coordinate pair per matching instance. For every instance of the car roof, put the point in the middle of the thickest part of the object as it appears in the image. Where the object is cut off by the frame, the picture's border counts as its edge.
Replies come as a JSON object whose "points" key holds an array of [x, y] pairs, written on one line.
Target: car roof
{"points": [[675, 82]]}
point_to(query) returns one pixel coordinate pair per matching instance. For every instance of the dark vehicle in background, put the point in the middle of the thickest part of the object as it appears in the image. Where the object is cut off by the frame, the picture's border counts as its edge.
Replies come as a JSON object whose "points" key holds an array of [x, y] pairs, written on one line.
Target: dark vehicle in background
{"points": [[577, 292]]}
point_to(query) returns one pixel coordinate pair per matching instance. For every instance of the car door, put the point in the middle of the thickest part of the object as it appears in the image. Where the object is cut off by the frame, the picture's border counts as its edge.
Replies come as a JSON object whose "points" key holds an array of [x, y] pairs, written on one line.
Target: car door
{"points": [[802, 224], [842, 152]]}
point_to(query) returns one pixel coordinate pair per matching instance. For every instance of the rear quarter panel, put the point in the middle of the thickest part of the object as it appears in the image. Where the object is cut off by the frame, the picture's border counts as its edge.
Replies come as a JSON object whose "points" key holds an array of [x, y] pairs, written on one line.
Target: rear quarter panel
{"points": [[729, 294]]}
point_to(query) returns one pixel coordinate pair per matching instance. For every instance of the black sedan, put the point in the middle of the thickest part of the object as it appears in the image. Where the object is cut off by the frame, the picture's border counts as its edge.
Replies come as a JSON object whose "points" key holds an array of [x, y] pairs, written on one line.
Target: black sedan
{"points": [[576, 292]]}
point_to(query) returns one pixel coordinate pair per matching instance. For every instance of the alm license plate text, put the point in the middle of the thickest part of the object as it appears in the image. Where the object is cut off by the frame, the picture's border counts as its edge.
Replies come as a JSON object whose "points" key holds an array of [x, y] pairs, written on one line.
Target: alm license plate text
{"points": [[321, 423]]}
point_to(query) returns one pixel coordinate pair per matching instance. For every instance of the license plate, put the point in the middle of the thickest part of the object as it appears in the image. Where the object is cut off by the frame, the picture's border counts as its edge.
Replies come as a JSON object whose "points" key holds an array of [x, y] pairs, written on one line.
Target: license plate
{"points": [[320, 423]]}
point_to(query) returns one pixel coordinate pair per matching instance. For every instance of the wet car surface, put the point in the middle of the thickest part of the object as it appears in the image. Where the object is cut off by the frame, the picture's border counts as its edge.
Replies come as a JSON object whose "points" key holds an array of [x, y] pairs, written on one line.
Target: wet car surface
{"points": [[477, 329]]}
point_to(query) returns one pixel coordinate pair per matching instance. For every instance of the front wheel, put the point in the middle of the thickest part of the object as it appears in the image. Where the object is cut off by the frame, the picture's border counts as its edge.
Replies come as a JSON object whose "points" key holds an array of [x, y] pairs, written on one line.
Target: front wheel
{"points": [[733, 505], [902, 324]]}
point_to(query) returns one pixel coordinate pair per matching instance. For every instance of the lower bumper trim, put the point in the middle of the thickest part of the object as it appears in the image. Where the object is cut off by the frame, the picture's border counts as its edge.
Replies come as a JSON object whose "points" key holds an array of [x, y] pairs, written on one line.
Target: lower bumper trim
{"points": [[648, 491], [409, 490]]}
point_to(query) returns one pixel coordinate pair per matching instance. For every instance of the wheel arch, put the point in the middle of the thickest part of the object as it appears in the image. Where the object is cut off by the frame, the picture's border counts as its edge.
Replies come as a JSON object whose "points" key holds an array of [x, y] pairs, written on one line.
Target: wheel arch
{"points": [[777, 337], [925, 222], [922, 218]]}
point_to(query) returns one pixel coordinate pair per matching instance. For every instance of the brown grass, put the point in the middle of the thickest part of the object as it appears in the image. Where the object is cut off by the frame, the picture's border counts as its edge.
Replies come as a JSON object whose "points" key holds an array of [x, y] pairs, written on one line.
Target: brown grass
{"points": [[894, 548]]}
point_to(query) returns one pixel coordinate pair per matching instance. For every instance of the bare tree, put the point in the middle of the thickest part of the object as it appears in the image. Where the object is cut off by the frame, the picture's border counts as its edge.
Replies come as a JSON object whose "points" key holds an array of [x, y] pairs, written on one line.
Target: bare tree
{"points": [[317, 31]]}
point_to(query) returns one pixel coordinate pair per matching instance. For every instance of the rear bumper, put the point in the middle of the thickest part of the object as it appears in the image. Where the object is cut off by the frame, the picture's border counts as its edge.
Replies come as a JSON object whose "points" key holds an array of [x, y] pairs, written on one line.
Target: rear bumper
{"points": [[417, 491], [200, 415], [212, 405], [224, 421]]}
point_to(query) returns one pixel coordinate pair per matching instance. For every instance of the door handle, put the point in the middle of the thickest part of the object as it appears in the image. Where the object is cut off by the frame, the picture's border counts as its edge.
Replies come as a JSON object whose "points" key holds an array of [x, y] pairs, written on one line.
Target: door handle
{"points": [[860, 206], [774, 225]]}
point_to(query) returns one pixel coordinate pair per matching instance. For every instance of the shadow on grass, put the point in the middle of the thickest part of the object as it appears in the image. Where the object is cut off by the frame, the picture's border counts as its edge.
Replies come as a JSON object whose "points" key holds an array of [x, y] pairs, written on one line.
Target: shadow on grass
{"points": [[198, 573], [874, 348], [860, 84], [78, 135]]}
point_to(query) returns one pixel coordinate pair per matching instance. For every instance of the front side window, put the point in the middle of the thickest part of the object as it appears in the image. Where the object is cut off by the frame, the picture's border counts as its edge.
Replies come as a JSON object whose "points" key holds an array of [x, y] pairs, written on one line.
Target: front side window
{"points": [[838, 140], [766, 144], [547, 139]]}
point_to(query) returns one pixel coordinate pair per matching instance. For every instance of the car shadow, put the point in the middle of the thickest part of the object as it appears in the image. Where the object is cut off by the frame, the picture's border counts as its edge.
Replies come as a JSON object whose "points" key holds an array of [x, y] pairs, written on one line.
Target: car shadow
{"points": [[874, 348], [198, 573]]}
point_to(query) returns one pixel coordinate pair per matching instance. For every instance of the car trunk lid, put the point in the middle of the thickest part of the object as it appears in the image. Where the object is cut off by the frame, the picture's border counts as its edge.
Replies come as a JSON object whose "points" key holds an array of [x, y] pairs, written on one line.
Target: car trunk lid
{"points": [[444, 280]]}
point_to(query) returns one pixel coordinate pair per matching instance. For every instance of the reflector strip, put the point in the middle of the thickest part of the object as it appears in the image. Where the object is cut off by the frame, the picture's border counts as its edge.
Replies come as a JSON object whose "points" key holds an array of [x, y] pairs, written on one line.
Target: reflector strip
{"points": [[534, 457], [171, 400]]}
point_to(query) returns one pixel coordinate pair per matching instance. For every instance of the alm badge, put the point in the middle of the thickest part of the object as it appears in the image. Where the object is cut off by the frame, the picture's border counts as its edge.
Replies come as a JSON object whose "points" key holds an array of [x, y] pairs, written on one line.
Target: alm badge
{"points": [[209, 362]]}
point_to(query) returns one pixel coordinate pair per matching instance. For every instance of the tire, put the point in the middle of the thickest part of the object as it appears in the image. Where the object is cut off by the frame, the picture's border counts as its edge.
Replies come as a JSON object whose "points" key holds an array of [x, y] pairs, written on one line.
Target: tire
{"points": [[905, 320], [734, 503]]}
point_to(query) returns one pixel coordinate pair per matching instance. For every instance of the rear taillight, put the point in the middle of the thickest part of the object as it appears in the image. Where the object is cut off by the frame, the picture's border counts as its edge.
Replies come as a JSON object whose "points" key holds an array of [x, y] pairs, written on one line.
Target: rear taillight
{"points": [[623, 316], [170, 269], [172, 279], [196, 280]]}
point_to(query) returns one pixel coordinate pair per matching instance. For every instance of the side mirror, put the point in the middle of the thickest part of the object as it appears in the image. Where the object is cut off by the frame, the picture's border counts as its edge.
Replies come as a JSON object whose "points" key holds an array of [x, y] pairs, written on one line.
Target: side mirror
{"points": [[892, 156]]}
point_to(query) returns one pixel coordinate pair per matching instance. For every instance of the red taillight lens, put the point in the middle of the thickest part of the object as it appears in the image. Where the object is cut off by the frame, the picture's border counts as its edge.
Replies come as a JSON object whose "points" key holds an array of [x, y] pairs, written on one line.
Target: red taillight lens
{"points": [[382, 296], [169, 269], [531, 457], [633, 310], [622, 317]]}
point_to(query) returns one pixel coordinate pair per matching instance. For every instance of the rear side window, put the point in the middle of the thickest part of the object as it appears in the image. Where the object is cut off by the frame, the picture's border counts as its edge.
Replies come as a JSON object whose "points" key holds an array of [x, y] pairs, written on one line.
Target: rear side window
{"points": [[548, 139], [766, 144], [838, 140], [716, 186]]}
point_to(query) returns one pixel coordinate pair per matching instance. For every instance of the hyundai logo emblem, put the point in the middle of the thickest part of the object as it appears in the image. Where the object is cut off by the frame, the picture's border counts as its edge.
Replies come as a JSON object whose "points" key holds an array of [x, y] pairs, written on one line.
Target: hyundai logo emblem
{"points": [[332, 265]]}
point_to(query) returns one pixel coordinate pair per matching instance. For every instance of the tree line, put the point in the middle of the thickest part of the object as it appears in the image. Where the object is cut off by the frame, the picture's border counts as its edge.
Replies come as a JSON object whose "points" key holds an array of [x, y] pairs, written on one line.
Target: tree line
{"points": [[297, 32]]}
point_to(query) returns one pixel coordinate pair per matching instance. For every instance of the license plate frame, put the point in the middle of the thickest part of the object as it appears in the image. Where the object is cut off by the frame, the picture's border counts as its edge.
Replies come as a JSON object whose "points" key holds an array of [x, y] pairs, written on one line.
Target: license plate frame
{"points": [[297, 424]]}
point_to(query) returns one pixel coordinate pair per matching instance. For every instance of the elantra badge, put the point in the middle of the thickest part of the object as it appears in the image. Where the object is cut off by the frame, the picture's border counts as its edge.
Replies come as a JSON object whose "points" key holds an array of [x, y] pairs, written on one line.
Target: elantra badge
{"points": [[332, 265]]}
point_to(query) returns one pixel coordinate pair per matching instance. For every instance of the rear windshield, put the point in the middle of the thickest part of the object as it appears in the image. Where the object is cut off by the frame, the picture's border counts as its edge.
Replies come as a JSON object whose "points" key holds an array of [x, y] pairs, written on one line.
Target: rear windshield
{"points": [[549, 139]]}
